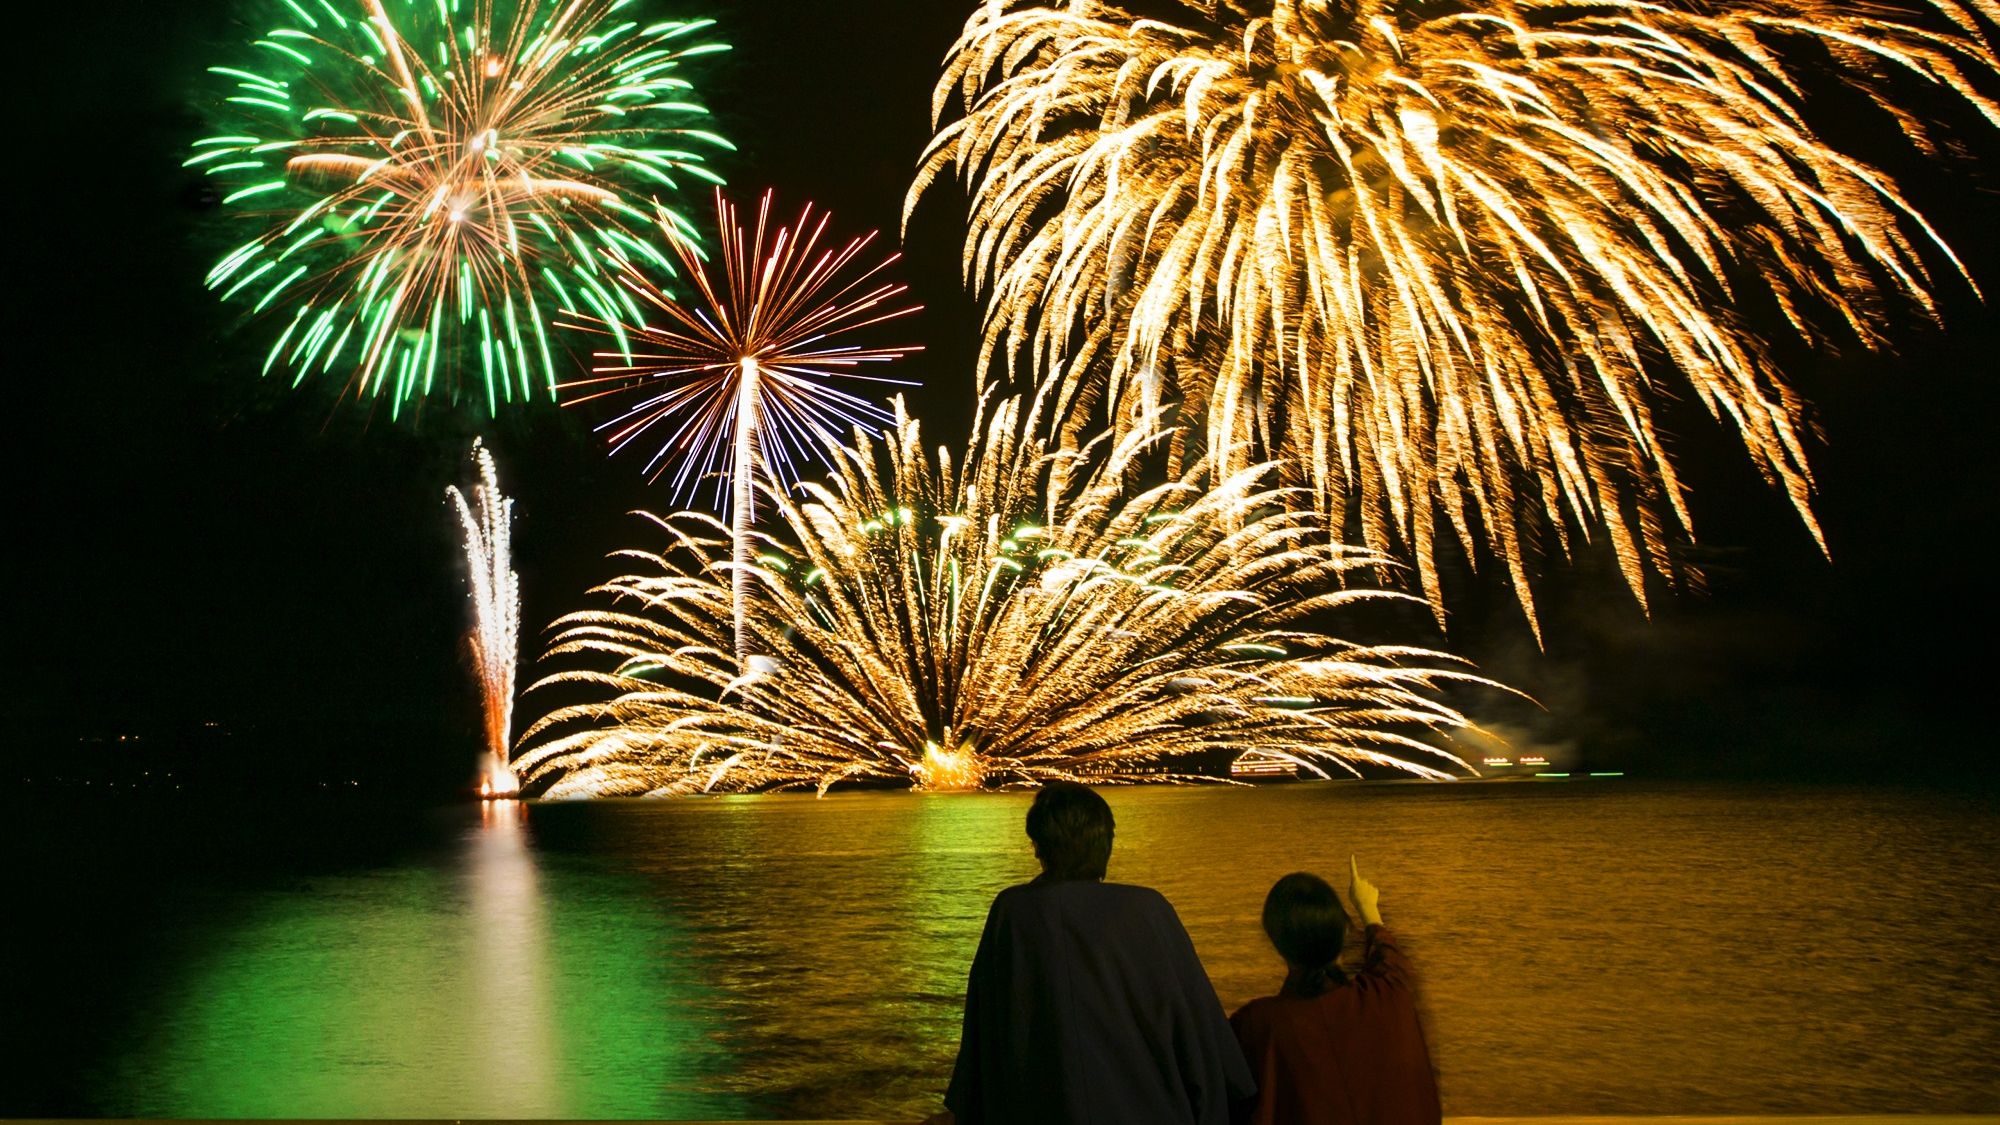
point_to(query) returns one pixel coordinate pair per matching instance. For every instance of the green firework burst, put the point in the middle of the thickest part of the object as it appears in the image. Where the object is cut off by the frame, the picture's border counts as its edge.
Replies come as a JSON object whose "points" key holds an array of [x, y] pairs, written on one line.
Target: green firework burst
{"points": [[430, 181]]}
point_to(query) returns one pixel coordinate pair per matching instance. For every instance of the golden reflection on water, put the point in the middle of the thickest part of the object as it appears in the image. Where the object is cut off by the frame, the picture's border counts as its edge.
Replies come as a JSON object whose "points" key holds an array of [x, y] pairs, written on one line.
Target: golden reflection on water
{"points": [[1608, 950], [1583, 951]]}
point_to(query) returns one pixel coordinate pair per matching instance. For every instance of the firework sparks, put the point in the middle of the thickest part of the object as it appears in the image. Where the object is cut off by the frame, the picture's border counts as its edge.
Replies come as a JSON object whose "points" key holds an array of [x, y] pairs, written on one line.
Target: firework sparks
{"points": [[433, 179], [743, 382], [1440, 254], [1027, 616], [766, 334], [487, 519]]}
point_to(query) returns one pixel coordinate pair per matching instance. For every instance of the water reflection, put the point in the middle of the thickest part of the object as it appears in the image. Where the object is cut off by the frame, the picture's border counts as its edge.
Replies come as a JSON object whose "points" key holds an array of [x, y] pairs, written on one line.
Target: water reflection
{"points": [[1617, 950], [473, 983], [1583, 951], [511, 1038], [836, 932]]}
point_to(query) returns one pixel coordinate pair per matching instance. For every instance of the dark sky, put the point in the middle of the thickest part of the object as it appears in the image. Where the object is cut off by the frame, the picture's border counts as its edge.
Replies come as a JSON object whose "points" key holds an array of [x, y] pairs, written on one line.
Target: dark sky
{"points": [[189, 543]]}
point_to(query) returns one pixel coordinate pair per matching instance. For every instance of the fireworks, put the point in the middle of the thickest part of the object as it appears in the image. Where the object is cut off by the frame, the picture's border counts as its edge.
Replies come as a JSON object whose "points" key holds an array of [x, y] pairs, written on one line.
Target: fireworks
{"points": [[1440, 254], [487, 520], [755, 356], [1028, 615], [742, 382], [433, 179]]}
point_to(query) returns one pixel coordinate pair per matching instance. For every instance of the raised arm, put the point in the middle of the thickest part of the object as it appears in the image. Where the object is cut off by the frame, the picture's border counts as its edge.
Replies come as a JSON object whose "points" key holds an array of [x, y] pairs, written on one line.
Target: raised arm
{"points": [[1384, 964]]}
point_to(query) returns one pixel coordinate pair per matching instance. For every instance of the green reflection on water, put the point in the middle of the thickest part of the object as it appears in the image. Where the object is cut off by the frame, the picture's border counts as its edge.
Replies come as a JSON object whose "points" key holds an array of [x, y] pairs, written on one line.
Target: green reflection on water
{"points": [[969, 847], [486, 988], [838, 931]]}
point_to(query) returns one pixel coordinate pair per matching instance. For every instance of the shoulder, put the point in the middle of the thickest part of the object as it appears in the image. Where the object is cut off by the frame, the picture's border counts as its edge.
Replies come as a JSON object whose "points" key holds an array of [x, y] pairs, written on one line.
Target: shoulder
{"points": [[1141, 907], [1014, 893], [1257, 1012], [1136, 897], [1130, 913], [1255, 1023], [1099, 894], [1020, 897], [1041, 896]]}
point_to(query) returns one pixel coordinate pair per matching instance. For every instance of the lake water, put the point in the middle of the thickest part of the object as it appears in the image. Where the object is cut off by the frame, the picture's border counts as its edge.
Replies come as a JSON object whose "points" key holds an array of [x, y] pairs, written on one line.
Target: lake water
{"points": [[1595, 947]]}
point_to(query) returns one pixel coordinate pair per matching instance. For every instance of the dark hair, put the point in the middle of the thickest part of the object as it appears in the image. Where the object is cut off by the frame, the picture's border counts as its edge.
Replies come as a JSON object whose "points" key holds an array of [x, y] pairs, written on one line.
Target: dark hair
{"points": [[1304, 919], [1071, 827]]}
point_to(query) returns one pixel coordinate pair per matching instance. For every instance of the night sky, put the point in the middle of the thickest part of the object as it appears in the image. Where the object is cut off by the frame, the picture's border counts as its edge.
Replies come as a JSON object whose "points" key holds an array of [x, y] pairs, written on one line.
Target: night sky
{"points": [[190, 544]]}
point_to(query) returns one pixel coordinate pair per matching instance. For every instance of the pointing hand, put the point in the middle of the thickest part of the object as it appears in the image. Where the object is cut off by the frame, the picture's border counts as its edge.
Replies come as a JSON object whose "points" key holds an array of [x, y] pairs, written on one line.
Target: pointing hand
{"points": [[1364, 894]]}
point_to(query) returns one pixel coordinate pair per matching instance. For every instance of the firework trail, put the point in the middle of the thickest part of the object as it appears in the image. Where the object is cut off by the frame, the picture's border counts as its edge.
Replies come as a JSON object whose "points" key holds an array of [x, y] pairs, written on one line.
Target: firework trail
{"points": [[1442, 255], [487, 518], [742, 380], [1025, 616], [430, 180]]}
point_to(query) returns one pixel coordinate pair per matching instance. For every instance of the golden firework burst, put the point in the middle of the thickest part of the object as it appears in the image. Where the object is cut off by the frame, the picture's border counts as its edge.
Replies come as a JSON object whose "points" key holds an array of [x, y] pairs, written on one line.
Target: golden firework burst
{"points": [[1029, 614], [1441, 255]]}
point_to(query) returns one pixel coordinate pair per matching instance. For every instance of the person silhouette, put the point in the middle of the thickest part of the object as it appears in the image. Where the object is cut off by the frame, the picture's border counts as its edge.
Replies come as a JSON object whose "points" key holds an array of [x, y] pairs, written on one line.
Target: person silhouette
{"points": [[1333, 1049], [1086, 1004]]}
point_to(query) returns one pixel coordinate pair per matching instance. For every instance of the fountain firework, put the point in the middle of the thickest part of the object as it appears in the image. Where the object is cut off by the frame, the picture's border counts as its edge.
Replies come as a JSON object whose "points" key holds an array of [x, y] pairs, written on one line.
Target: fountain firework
{"points": [[496, 614]]}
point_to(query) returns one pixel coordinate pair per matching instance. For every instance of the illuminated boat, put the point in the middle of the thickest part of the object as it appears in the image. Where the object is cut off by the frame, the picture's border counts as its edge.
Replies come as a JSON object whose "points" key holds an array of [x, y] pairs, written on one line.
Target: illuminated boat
{"points": [[1254, 765]]}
